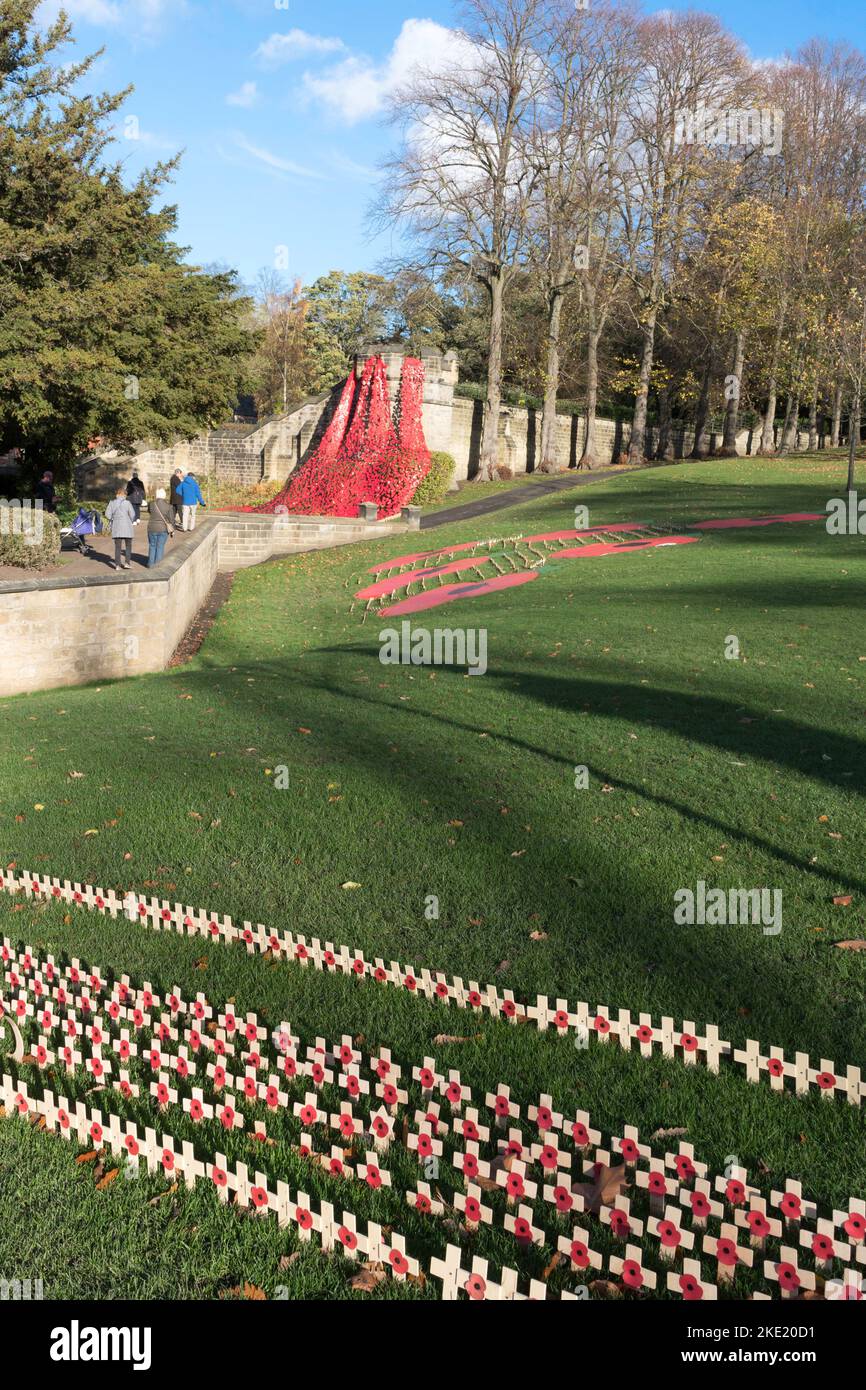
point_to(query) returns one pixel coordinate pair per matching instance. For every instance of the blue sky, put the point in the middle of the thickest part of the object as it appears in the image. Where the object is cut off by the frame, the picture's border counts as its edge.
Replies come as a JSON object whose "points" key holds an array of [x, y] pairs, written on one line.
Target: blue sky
{"points": [[277, 105]]}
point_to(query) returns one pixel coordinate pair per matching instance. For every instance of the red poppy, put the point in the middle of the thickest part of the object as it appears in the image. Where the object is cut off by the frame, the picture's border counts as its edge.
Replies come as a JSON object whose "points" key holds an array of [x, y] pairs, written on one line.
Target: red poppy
{"points": [[474, 1001], [131, 1145], [563, 1199], [196, 1109], [475, 1287], [826, 1080], [398, 1262], [855, 1227], [775, 1066], [632, 1274], [601, 1025], [426, 1078], [700, 1205], [685, 1168], [619, 1223], [690, 1288], [514, 1185], [823, 1248], [353, 1084], [788, 1276], [629, 1150], [758, 1224], [669, 1234], [509, 1008], [473, 1209], [644, 1034], [259, 1196], [96, 1132], [308, 1116], [453, 1093], [162, 1093], [167, 1159], [227, 1117], [579, 1254], [441, 990], [347, 1238], [522, 1229], [470, 1165], [657, 1185], [389, 1095], [560, 1019], [219, 1177], [726, 1251], [735, 1192], [791, 1206], [374, 1177], [580, 1135], [549, 1157], [359, 966]]}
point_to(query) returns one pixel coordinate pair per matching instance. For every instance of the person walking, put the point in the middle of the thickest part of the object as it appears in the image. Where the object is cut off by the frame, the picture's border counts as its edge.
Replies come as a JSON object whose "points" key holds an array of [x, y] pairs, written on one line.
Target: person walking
{"points": [[136, 493], [175, 497], [120, 516], [45, 493], [160, 525], [191, 499]]}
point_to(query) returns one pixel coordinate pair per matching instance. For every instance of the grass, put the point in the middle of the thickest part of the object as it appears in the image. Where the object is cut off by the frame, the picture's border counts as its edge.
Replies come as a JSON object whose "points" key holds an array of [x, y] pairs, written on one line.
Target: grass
{"points": [[416, 782]]}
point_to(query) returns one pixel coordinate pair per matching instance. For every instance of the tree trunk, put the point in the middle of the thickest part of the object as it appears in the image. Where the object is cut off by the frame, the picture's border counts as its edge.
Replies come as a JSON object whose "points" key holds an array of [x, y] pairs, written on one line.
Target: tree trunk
{"points": [[589, 458], [813, 420], [837, 418], [490, 432], [768, 434], [702, 413], [637, 443], [854, 439], [732, 408], [790, 429], [549, 463], [664, 448]]}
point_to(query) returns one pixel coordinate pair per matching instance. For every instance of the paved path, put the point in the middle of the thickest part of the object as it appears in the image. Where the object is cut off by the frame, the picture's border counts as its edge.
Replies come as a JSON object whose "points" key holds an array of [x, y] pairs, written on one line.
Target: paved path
{"points": [[516, 496]]}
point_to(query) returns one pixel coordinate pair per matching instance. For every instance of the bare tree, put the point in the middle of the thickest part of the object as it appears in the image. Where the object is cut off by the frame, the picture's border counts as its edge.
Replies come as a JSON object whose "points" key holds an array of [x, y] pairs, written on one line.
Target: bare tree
{"points": [[691, 65], [461, 182]]}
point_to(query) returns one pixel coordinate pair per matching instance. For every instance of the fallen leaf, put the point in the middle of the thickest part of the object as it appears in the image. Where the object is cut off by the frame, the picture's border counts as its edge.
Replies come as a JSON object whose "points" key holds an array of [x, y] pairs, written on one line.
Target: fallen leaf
{"points": [[842, 901], [667, 1134], [107, 1180], [369, 1277], [350, 884], [850, 945], [604, 1288]]}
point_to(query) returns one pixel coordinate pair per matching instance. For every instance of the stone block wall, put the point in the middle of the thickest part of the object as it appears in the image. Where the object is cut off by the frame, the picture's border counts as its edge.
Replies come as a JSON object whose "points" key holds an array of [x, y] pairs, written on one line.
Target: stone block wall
{"points": [[57, 632]]}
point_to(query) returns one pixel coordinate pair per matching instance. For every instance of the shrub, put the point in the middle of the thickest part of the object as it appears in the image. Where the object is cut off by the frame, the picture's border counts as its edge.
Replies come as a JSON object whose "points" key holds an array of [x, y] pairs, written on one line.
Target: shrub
{"points": [[434, 487], [16, 550]]}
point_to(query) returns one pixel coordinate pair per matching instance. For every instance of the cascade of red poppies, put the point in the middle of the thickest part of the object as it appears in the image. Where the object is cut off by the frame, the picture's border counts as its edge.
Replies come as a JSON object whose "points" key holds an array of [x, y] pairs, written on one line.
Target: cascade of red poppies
{"points": [[362, 457]]}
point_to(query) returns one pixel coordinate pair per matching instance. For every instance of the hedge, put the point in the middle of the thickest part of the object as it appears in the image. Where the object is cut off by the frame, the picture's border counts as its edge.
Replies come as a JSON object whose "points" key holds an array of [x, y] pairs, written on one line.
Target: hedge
{"points": [[16, 549], [434, 486]]}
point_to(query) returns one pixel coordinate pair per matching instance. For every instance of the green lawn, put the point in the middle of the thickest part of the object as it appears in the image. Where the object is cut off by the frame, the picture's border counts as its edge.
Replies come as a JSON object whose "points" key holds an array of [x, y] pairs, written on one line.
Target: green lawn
{"points": [[417, 782]]}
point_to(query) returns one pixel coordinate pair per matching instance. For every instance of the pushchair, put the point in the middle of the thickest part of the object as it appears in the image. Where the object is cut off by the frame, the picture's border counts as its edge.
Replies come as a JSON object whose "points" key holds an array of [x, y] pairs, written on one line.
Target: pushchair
{"points": [[86, 523]]}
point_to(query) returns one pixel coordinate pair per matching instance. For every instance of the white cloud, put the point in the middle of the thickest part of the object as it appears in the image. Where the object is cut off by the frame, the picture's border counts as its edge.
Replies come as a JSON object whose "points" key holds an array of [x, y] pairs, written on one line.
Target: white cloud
{"points": [[297, 43], [145, 15], [246, 95], [274, 162], [358, 88], [94, 11]]}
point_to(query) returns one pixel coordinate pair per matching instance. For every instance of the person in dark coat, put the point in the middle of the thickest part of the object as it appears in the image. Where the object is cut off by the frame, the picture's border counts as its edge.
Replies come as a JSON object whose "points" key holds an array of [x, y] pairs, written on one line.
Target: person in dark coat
{"points": [[174, 496], [136, 493], [45, 493]]}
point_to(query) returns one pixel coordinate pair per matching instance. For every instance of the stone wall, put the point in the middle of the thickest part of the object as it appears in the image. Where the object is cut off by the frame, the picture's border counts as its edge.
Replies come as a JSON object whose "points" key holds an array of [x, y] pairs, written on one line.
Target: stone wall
{"points": [[248, 455], [56, 631]]}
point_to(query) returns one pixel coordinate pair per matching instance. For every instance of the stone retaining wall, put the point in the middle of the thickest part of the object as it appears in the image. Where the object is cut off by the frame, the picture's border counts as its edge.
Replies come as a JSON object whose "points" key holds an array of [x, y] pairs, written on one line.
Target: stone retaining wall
{"points": [[56, 631]]}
